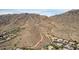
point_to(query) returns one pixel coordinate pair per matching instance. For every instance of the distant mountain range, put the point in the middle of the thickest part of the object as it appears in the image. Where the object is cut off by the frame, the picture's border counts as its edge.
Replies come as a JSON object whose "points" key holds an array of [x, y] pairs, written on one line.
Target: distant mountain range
{"points": [[47, 12]]}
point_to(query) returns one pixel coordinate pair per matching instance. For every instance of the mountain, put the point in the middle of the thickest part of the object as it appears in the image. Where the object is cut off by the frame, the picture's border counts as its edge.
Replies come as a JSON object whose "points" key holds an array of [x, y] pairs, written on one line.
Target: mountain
{"points": [[34, 31], [67, 25]]}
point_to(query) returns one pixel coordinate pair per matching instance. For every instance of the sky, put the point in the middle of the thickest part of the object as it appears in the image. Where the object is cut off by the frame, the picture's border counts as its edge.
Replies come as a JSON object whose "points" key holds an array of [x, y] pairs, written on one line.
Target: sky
{"points": [[47, 12]]}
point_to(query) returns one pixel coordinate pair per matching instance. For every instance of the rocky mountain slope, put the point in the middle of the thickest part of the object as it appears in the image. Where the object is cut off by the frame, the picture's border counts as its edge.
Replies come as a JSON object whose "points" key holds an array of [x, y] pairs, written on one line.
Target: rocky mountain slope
{"points": [[34, 31]]}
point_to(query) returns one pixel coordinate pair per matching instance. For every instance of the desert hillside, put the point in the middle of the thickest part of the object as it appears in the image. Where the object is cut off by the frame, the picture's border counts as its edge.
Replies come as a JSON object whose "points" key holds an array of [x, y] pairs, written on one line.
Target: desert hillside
{"points": [[34, 31], [67, 25]]}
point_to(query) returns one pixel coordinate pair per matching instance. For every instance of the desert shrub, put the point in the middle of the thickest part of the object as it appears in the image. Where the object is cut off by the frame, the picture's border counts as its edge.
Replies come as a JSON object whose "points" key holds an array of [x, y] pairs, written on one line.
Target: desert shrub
{"points": [[27, 48]]}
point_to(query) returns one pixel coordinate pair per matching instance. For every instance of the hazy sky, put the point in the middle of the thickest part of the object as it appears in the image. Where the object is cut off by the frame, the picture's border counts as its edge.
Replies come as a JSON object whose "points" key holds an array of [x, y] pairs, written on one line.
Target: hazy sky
{"points": [[48, 12]]}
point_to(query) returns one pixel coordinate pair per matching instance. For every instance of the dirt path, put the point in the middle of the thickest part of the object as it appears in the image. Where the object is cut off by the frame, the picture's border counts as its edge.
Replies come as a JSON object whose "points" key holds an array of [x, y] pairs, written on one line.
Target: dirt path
{"points": [[38, 41]]}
